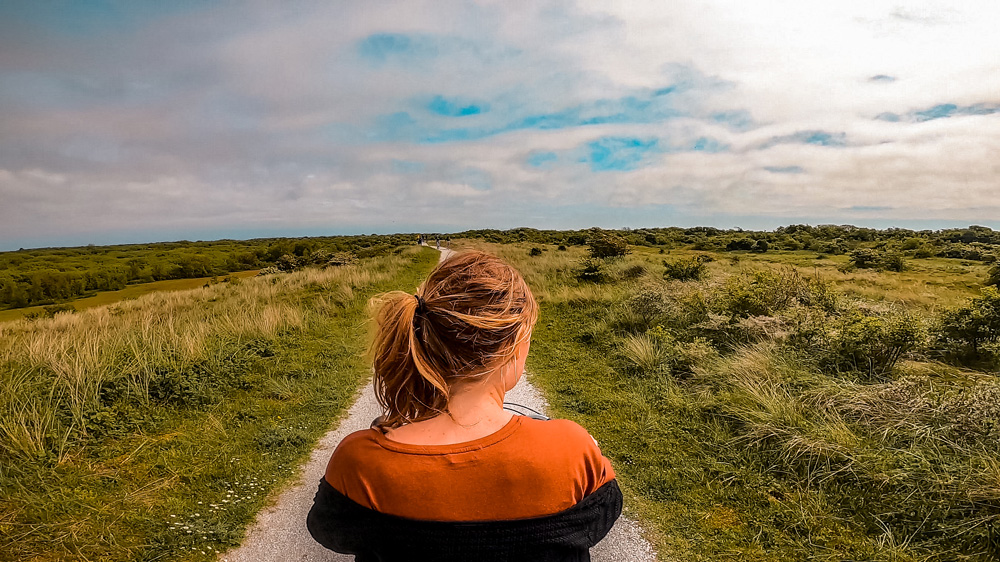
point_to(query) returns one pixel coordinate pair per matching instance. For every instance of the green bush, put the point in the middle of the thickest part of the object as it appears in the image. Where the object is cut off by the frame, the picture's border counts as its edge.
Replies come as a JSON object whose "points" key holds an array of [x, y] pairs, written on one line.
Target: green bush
{"points": [[536, 251], [760, 293], [287, 262], [592, 270], [868, 258], [341, 258], [870, 343], [993, 276], [607, 246], [687, 269], [965, 332]]}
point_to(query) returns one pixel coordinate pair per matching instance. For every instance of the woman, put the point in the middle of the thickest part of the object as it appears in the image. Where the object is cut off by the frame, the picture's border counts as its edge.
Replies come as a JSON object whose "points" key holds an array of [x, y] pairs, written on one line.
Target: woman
{"points": [[446, 473]]}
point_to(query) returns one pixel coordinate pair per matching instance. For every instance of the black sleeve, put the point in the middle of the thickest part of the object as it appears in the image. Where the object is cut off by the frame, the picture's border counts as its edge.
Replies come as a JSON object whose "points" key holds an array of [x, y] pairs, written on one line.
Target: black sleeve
{"points": [[336, 522], [605, 510]]}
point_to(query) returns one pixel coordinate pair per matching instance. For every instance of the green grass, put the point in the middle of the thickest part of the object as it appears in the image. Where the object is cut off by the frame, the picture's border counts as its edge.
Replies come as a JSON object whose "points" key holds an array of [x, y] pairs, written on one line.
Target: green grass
{"points": [[181, 477], [750, 438], [131, 292]]}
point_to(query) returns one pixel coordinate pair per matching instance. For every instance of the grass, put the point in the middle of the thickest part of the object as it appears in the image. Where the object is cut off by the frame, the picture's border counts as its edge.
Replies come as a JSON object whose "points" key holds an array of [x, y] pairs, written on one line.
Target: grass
{"points": [[747, 439], [131, 292], [155, 428]]}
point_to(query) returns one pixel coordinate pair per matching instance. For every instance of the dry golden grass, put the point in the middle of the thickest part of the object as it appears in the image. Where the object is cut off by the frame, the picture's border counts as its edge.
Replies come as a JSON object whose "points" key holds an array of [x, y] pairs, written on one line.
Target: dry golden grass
{"points": [[128, 341]]}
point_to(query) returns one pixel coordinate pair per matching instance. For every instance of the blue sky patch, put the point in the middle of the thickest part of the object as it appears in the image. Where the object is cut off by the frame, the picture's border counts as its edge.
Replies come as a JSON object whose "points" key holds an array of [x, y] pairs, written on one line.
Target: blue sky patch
{"points": [[455, 107], [940, 111], [785, 169], [739, 120], [542, 159], [639, 108], [619, 153], [381, 48], [819, 138], [707, 144]]}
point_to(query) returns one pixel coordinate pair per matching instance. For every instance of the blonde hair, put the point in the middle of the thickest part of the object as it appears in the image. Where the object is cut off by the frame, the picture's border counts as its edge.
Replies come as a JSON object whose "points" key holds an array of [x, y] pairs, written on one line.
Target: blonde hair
{"points": [[466, 318]]}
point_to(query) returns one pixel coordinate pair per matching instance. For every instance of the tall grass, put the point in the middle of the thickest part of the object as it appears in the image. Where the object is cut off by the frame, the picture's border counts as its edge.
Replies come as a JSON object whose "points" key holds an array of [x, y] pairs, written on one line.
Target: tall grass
{"points": [[53, 367], [155, 429]]}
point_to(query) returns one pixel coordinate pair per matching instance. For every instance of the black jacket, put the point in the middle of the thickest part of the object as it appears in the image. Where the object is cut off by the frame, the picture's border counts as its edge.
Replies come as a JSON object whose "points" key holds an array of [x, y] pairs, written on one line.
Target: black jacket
{"points": [[342, 525]]}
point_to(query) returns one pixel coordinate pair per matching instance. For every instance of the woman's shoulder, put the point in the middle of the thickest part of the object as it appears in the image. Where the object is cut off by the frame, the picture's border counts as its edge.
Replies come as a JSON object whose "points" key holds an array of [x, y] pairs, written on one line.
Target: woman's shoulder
{"points": [[355, 447], [558, 431]]}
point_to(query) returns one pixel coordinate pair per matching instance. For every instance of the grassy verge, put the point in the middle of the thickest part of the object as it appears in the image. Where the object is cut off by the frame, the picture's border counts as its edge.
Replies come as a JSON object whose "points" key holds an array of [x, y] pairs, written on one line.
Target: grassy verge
{"points": [[155, 429]]}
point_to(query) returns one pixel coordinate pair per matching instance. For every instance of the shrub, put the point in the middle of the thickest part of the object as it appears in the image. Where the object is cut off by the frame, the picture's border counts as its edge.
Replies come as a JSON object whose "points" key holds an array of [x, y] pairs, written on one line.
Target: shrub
{"points": [[870, 344], [605, 245], [659, 352], [592, 270], [993, 276], [648, 306], [686, 269], [964, 331], [867, 258], [561, 248], [287, 262], [268, 271], [761, 293], [342, 258], [535, 252]]}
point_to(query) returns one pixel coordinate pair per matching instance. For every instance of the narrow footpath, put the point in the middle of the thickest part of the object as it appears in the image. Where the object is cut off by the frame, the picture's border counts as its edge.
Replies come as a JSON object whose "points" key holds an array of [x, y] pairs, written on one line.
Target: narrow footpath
{"points": [[279, 533]]}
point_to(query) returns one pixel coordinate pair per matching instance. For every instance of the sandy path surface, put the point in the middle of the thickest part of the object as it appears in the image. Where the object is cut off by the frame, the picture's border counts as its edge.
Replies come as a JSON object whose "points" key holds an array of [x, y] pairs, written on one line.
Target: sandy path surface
{"points": [[279, 533]]}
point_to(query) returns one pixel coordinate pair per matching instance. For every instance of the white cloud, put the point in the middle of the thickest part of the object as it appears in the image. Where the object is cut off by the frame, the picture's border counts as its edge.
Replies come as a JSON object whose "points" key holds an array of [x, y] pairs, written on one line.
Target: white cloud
{"points": [[275, 116]]}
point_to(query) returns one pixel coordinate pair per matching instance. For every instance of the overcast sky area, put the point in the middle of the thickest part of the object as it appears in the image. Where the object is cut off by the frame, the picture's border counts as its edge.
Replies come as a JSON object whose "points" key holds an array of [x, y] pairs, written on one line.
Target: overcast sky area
{"points": [[142, 121]]}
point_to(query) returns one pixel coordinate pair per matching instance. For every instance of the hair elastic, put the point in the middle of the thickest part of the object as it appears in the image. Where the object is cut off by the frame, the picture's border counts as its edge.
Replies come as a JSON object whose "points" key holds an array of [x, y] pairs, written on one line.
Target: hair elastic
{"points": [[421, 304]]}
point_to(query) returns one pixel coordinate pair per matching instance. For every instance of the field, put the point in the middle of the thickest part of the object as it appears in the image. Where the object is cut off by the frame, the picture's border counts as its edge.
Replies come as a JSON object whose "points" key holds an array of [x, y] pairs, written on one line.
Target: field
{"points": [[154, 428], [783, 404], [775, 407], [130, 292]]}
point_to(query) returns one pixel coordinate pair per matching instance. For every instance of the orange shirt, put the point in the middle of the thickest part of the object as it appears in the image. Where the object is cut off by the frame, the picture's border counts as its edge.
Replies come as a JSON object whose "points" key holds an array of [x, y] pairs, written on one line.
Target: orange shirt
{"points": [[528, 468]]}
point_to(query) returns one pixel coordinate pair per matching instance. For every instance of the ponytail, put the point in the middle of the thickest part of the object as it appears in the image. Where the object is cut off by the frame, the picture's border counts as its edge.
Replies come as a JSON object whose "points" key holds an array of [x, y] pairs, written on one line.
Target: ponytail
{"points": [[465, 319]]}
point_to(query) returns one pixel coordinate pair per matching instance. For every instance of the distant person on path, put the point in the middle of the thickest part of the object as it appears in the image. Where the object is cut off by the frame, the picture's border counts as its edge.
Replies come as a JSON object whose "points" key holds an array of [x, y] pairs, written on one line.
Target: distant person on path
{"points": [[446, 473]]}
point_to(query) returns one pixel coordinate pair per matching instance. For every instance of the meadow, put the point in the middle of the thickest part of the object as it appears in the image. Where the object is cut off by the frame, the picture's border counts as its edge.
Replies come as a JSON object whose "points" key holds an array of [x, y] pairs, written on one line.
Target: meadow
{"points": [[759, 400], [779, 405], [104, 298], [154, 428]]}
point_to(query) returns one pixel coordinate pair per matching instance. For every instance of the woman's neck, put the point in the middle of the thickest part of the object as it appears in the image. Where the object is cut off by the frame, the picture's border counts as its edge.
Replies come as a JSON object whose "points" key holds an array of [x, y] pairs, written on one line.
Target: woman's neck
{"points": [[475, 410]]}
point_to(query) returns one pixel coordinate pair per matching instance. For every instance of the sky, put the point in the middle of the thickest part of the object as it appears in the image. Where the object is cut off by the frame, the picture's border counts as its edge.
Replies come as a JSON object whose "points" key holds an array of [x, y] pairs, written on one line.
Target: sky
{"points": [[131, 121]]}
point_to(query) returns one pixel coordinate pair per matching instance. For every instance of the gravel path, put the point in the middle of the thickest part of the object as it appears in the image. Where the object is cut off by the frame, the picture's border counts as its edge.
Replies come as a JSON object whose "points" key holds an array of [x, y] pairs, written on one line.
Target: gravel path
{"points": [[280, 534]]}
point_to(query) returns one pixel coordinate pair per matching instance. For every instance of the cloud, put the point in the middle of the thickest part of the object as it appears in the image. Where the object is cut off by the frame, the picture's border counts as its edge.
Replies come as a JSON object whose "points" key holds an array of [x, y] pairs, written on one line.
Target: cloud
{"points": [[177, 118]]}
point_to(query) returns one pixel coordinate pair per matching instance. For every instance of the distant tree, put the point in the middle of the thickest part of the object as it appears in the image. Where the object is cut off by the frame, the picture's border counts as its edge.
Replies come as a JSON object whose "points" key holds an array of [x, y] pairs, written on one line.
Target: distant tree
{"points": [[287, 262], [606, 245]]}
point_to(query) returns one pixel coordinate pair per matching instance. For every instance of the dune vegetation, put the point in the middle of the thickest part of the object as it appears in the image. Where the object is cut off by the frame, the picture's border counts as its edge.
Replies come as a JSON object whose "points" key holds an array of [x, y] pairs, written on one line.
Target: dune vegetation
{"points": [[823, 393], [776, 406], [154, 428]]}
